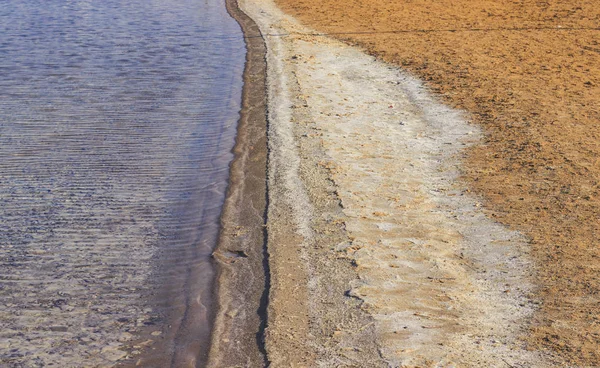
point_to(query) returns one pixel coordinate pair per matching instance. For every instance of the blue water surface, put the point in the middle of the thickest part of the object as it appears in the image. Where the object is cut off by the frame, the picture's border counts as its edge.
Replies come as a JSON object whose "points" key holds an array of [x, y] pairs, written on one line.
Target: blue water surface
{"points": [[117, 120]]}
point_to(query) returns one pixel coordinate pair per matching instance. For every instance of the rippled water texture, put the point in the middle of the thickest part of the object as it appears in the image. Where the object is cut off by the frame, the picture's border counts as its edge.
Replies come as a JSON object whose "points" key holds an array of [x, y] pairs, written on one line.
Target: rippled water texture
{"points": [[117, 119]]}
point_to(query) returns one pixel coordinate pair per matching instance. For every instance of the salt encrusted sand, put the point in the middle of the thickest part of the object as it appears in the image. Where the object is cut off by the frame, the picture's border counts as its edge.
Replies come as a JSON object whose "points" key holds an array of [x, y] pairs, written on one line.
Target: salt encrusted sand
{"points": [[378, 256], [529, 74]]}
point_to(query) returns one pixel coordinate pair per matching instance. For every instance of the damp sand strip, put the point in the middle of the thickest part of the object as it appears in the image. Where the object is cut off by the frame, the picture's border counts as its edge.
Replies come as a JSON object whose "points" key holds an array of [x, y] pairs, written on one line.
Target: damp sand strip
{"points": [[242, 271], [378, 254]]}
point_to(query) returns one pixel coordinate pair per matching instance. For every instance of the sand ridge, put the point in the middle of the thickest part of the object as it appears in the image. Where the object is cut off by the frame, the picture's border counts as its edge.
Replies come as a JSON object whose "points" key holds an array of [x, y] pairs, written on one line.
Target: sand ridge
{"points": [[435, 280], [242, 276]]}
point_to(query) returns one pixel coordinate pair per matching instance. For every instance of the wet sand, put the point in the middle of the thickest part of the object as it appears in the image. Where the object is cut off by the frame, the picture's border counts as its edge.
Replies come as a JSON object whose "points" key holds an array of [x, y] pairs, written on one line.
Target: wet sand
{"points": [[243, 271]]}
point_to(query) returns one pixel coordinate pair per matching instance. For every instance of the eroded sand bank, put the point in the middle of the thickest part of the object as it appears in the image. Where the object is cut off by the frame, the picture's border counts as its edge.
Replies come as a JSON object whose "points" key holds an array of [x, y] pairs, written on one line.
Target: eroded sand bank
{"points": [[378, 255]]}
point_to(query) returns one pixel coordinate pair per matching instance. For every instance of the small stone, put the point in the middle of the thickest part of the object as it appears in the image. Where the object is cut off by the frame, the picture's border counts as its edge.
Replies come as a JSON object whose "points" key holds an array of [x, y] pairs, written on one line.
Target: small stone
{"points": [[112, 353]]}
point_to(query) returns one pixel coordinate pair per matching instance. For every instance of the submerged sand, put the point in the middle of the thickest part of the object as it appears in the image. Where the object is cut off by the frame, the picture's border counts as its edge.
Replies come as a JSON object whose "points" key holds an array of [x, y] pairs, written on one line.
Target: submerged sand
{"points": [[377, 254]]}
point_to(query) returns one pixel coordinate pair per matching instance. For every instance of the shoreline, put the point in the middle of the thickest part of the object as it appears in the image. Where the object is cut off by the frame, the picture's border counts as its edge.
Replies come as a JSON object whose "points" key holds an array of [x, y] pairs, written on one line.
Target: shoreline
{"points": [[237, 310], [237, 262], [242, 281]]}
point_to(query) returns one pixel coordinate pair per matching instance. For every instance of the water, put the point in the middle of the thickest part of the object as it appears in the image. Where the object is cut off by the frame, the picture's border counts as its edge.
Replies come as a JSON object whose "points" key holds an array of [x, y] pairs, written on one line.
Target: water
{"points": [[116, 123]]}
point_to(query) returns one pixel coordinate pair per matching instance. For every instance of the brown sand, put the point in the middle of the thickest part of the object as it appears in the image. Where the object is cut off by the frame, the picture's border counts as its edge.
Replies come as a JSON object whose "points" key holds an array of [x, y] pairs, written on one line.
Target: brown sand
{"points": [[311, 319], [237, 338], [529, 72], [377, 256]]}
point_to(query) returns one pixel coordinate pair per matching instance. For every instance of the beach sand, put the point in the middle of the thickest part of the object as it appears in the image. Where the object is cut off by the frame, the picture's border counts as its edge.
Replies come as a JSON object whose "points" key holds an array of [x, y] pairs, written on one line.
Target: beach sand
{"points": [[528, 73], [378, 255], [243, 282]]}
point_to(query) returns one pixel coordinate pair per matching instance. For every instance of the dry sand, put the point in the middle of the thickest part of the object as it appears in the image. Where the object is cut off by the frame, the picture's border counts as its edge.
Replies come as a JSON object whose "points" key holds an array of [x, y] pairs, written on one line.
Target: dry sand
{"points": [[529, 73], [378, 255]]}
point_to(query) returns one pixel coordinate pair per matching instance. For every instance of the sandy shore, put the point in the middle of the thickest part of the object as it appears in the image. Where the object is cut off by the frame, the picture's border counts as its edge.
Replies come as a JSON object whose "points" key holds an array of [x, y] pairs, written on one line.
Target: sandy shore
{"points": [[243, 278], [377, 254]]}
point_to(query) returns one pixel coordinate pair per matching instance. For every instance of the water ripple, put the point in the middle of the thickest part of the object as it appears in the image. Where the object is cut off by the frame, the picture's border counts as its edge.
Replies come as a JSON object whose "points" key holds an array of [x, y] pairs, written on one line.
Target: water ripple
{"points": [[116, 124]]}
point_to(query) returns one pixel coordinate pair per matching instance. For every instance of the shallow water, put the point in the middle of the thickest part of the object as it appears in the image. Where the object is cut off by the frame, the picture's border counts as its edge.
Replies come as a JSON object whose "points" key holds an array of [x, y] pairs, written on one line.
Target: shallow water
{"points": [[117, 119]]}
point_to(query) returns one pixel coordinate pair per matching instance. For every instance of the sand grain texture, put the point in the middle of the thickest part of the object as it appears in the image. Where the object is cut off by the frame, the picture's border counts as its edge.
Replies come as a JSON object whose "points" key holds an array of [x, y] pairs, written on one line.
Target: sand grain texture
{"points": [[378, 256], [529, 73], [242, 277]]}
